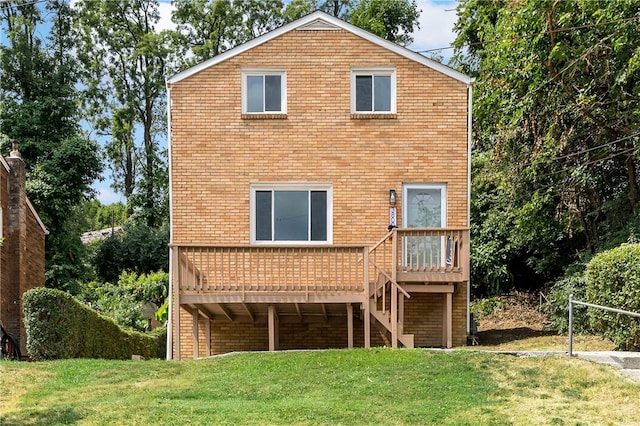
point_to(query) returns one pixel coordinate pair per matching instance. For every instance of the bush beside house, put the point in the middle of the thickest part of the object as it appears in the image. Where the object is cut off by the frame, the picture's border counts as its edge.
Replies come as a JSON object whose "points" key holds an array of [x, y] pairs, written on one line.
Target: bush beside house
{"points": [[613, 279], [58, 326]]}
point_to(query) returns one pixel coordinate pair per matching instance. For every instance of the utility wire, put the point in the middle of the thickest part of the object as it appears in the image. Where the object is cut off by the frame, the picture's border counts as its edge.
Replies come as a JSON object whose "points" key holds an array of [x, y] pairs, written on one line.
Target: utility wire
{"points": [[558, 30]]}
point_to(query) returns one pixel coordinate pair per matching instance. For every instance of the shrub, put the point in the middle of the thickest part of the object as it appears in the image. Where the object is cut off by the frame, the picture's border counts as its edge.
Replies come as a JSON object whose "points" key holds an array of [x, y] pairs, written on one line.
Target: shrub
{"points": [[482, 308], [139, 249], [613, 279], [126, 300], [58, 326], [557, 306]]}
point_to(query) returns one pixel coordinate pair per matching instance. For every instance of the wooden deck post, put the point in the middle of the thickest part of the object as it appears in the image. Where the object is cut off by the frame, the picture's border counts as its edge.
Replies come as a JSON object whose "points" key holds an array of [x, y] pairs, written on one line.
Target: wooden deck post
{"points": [[208, 335], [394, 316], [394, 290], [401, 300], [349, 325], [447, 320], [273, 328], [195, 316], [367, 300], [175, 301]]}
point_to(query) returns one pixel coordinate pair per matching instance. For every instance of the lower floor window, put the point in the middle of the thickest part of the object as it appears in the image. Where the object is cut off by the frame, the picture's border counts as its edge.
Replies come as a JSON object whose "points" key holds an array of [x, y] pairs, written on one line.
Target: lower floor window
{"points": [[291, 214]]}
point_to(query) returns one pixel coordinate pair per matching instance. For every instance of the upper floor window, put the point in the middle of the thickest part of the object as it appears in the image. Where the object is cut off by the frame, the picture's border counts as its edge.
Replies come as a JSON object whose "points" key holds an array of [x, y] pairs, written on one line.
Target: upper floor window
{"points": [[291, 213], [373, 90], [264, 92]]}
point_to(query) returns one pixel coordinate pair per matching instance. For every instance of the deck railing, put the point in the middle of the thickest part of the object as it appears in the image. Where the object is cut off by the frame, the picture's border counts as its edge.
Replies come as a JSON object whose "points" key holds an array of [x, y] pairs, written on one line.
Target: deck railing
{"points": [[433, 249], [244, 268], [424, 250], [442, 253]]}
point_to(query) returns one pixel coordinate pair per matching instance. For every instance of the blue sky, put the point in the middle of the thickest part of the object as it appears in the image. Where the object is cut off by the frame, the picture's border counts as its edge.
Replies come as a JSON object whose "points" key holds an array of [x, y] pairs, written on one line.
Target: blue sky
{"points": [[436, 31]]}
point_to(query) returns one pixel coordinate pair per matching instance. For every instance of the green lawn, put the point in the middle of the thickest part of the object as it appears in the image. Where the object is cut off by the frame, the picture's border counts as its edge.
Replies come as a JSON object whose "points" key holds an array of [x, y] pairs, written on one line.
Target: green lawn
{"points": [[377, 386]]}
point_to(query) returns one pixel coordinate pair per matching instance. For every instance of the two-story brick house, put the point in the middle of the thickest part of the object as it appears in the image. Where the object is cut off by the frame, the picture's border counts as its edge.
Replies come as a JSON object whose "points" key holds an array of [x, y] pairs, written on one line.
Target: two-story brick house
{"points": [[292, 158], [22, 249]]}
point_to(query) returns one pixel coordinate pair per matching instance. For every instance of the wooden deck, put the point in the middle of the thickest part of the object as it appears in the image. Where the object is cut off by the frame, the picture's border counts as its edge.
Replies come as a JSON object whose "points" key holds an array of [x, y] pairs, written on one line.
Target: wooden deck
{"points": [[273, 282]]}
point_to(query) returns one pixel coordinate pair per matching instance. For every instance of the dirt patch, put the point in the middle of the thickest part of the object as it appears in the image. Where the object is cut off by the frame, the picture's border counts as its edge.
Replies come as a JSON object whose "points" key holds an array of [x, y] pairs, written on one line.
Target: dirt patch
{"points": [[515, 311], [517, 316]]}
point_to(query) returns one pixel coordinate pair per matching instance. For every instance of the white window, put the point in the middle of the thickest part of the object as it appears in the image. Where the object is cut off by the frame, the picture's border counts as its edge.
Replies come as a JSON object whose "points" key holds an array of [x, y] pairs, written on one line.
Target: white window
{"points": [[373, 90], [292, 213], [264, 92]]}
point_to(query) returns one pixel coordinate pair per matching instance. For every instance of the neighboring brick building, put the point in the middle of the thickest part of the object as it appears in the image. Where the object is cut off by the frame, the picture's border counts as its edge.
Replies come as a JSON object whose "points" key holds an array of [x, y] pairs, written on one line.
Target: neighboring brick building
{"points": [[289, 157], [22, 250]]}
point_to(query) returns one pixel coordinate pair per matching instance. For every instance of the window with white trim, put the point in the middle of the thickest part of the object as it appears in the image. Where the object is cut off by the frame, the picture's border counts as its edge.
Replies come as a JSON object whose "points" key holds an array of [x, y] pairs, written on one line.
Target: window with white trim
{"points": [[373, 90], [264, 92], [300, 213]]}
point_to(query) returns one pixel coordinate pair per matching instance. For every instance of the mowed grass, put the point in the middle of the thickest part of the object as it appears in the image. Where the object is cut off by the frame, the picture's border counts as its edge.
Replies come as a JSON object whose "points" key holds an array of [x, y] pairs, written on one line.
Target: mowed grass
{"points": [[376, 386], [547, 343]]}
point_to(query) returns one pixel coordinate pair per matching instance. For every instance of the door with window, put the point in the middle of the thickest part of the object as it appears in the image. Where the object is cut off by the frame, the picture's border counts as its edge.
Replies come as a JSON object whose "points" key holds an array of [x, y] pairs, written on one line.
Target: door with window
{"points": [[424, 206]]}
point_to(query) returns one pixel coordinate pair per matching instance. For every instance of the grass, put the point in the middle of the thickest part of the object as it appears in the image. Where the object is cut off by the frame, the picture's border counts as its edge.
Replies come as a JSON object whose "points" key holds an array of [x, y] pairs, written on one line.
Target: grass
{"points": [[550, 342], [377, 386]]}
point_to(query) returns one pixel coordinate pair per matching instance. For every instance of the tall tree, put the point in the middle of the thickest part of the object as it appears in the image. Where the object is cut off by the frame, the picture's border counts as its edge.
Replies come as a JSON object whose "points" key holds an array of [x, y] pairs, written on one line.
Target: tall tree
{"points": [[208, 28], [39, 108], [557, 110], [124, 61], [392, 20]]}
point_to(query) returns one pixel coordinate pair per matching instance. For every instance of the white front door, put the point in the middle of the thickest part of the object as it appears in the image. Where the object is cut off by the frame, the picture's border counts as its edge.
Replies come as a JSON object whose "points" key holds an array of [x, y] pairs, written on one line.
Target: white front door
{"points": [[424, 206]]}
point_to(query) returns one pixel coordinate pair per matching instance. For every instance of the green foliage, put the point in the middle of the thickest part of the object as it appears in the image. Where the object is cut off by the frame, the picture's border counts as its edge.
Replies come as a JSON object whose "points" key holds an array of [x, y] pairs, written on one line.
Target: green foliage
{"points": [[557, 306], [556, 129], [39, 109], [93, 215], [482, 308], [58, 327], [139, 249], [162, 314], [126, 301], [392, 20], [613, 280], [124, 61]]}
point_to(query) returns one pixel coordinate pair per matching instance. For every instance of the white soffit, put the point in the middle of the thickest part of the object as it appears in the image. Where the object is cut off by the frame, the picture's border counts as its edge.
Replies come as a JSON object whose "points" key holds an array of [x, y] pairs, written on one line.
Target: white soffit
{"points": [[322, 21]]}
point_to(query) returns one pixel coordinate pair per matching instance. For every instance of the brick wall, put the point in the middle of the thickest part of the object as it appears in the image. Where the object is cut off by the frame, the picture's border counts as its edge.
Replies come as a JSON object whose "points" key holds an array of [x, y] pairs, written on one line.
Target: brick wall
{"points": [[242, 335], [216, 154], [22, 253]]}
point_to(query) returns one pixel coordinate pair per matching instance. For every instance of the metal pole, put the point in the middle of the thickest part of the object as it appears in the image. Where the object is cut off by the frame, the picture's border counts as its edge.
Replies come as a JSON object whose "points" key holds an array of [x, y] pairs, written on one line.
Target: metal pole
{"points": [[571, 324]]}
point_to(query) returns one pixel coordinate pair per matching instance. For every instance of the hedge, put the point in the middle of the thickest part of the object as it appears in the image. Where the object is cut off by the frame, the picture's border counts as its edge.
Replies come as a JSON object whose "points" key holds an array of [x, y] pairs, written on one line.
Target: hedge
{"points": [[613, 279], [58, 326]]}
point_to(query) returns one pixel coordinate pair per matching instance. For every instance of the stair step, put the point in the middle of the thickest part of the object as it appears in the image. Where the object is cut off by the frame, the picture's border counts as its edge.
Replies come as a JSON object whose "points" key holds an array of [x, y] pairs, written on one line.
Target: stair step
{"points": [[384, 319]]}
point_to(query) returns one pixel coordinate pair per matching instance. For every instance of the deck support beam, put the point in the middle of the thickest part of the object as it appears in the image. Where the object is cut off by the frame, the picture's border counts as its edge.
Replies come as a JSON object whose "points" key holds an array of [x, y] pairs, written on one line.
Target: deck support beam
{"points": [[447, 319], [299, 312], [394, 316], [195, 318], [349, 325], [207, 332], [273, 329], [394, 291], [366, 305], [401, 301], [227, 313], [249, 312], [174, 314]]}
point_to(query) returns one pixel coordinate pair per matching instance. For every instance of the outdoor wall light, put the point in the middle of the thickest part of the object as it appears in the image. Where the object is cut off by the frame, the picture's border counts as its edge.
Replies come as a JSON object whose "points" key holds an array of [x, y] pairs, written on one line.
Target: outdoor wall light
{"points": [[392, 197], [392, 209]]}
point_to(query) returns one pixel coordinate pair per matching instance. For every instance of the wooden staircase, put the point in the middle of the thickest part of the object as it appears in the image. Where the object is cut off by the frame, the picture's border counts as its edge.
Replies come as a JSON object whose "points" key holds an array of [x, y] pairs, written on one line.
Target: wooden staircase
{"points": [[380, 291]]}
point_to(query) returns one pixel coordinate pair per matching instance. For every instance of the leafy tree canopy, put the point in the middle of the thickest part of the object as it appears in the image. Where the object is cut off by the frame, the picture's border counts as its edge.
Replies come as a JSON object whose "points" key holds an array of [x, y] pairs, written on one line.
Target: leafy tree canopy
{"points": [[556, 115]]}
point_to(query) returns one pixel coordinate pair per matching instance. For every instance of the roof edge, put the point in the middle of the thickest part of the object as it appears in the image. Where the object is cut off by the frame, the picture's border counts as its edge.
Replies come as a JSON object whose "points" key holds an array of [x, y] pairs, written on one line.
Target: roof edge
{"points": [[33, 210], [305, 20]]}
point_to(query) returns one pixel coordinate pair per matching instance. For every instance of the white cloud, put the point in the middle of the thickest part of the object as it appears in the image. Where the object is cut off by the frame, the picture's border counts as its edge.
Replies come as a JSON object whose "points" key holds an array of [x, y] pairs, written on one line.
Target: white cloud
{"points": [[436, 26], [107, 196]]}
